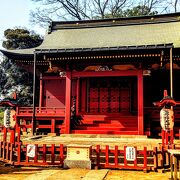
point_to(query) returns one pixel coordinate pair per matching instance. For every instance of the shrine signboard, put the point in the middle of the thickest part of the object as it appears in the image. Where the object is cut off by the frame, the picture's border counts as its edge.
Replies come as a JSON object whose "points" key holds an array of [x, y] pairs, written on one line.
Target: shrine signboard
{"points": [[130, 153]]}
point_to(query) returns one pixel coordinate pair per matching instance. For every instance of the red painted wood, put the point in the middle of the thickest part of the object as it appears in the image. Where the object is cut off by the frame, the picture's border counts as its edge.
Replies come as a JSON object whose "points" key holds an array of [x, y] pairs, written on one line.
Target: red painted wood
{"points": [[27, 157], [41, 92], [54, 93], [4, 150], [19, 153], [98, 160], [104, 132], [7, 150], [12, 136], [135, 161], [45, 77], [4, 134], [83, 96], [43, 112], [53, 125], [116, 156], [11, 152], [77, 95], [155, 158], [125, 160], [44, 153], [61, 154], [105, 95], [36, 153], [24, 126], [1, 148], [68, 103], [106, 73], [97, 155], [107, 155], [52, 153], [172, 136], [145, 157], [19, 134], [140, 104], [163, 137]]}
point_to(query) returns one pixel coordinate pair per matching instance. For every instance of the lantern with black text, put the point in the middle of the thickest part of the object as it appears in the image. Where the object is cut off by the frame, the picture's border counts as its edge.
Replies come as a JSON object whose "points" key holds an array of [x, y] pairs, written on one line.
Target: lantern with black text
{"points": [[167, 119], [9, 118]]}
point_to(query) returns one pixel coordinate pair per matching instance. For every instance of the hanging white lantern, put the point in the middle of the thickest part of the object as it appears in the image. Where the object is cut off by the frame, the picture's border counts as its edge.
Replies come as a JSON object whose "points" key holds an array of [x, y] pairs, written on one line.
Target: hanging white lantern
{"points": [[9, 118], [167, 119]]}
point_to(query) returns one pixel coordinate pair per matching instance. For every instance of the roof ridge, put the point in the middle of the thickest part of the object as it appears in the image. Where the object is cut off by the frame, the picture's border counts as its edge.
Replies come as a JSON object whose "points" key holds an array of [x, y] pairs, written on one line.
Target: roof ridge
{"points": [[137, 20]]}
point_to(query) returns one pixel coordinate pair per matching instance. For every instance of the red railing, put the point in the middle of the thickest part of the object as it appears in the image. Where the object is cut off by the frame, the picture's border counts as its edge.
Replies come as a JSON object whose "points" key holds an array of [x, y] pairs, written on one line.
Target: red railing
{"points": [[54, 155], [116, 158], [25, 111], [13, 151]]}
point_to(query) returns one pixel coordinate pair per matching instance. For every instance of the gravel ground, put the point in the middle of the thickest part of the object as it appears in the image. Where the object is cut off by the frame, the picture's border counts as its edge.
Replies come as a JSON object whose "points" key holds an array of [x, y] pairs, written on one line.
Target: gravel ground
{"points": [[32, 173]]}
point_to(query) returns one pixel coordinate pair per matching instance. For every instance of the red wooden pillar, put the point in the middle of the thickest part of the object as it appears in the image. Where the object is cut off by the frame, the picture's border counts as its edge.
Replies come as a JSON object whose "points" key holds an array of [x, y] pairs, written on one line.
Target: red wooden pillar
{"points": [[53, 125], [83, 95], [41, 92], [68, 103], [77, 96], [140, 104]]}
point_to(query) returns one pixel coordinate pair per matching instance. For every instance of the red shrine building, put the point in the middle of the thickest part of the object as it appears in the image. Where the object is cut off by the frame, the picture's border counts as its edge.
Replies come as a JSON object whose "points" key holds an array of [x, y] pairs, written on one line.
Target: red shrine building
{"points": [[102, 76]]}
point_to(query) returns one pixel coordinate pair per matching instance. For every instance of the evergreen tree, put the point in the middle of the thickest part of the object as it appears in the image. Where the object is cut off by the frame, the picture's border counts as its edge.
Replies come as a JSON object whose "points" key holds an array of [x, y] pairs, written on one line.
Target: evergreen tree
{"points": [[21, 39], [13, 77]]}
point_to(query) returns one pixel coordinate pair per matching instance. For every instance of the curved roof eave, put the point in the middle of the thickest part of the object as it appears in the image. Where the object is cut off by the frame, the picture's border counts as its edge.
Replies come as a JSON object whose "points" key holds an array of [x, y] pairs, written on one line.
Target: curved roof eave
{"points": [[19, 54]]}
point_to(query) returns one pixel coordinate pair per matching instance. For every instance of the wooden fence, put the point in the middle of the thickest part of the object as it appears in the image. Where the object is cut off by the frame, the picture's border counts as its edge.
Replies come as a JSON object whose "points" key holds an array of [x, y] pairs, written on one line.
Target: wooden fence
{"points": [[13, 151], [101, 157]]}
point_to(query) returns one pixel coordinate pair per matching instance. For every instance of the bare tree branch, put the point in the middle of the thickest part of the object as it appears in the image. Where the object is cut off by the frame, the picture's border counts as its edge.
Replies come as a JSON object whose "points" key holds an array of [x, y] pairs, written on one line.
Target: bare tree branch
{"points": [[91, 9]]}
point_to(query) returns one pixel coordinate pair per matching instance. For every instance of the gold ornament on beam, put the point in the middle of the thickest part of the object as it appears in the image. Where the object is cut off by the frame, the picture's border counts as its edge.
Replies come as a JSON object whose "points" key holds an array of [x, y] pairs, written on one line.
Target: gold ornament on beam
{"points": [[50, 70]]}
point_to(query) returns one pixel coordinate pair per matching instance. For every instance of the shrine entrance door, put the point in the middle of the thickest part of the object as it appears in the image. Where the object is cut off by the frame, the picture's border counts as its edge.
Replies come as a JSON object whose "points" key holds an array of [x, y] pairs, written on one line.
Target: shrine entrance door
{"points": [[109, 95]]}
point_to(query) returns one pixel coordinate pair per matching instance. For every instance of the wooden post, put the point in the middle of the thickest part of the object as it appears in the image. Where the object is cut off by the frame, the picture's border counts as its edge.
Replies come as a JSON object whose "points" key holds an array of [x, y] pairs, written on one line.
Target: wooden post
{"points": [[97, 156], [52, 153], [4, 134], [171, 90], [155, 154], [125, 160], [34, 97], [171, 73], [68, 102], [41, 92], [61, 154], [140, 104], [53, 125], [36, 154], [83, 95], [44, 153], [77, 96], [12, 137], [116, 156], [107, 156], [175, 167]]}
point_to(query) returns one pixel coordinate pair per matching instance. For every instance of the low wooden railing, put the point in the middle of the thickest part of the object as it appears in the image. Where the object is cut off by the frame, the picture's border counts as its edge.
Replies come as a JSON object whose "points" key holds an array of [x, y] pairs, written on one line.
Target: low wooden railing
{"points": [[25, 111], [113, 158], [13, 151]]}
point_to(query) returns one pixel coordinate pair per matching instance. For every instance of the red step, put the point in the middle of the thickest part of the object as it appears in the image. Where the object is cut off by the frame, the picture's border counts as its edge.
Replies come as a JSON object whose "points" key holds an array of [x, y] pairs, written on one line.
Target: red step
{"points": [[108, 128], [104, 132]]}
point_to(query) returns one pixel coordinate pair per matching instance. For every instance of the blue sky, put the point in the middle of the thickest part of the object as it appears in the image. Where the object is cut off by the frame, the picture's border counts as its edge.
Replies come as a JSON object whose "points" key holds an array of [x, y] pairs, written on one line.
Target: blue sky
{"points": [[15, 13]]}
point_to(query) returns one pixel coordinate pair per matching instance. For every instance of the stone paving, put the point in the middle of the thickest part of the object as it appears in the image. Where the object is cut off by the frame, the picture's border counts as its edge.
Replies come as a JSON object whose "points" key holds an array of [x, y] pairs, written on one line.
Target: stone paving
{"points": [[79, 174]]}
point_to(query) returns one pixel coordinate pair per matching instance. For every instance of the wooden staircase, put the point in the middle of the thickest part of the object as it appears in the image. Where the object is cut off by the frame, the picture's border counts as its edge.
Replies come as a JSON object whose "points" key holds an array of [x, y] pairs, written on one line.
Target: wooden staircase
{"points": [[103, 124]]}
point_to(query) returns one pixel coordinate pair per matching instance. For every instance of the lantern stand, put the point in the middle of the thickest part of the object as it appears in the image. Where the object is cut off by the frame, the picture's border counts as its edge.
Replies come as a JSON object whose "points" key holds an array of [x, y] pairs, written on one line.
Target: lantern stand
{"points": [[167, 119], [10, 121]]}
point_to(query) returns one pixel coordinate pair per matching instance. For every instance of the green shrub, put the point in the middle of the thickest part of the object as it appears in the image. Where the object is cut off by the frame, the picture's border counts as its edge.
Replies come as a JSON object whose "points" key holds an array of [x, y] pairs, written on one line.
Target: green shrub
{"points": [[1, 118]]}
